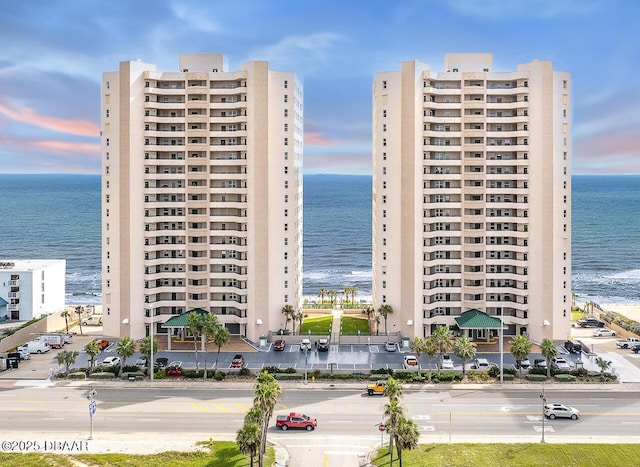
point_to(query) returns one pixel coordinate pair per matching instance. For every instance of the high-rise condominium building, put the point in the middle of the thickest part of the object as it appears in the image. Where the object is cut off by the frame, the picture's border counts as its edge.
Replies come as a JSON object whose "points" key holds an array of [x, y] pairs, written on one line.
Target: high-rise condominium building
{"points": [[202, 195], [472, 196]]}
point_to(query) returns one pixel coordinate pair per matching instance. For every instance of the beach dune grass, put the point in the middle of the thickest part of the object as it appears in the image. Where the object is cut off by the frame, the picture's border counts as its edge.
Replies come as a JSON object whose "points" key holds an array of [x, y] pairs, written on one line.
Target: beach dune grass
{"points": [[517, 454], [317, 325], [351, 325], [222, 454]]}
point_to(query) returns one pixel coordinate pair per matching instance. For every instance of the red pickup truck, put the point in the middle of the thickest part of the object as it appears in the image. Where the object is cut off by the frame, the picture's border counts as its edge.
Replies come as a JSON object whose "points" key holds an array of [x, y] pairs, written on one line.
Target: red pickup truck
{"points": [[296, 420]]}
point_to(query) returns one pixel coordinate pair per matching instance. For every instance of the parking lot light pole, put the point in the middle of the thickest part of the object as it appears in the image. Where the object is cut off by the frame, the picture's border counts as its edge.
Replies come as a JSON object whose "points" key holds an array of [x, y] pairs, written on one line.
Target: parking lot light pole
{"points": [[544, 399]]}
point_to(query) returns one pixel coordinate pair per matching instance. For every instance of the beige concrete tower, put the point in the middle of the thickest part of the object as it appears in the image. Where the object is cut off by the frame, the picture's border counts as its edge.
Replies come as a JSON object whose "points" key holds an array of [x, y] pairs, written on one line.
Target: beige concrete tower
{"points": [[472, 196], [202, 194]]}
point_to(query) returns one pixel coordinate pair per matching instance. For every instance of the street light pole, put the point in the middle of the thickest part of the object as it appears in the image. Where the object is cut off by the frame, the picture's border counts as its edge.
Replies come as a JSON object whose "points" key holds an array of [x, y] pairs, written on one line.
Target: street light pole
{"points": [[544, 399], [151, 334]]}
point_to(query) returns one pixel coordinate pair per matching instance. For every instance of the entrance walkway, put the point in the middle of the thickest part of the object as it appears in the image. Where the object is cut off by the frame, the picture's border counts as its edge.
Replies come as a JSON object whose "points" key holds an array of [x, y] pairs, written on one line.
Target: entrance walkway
{"points": [[335, 327]]}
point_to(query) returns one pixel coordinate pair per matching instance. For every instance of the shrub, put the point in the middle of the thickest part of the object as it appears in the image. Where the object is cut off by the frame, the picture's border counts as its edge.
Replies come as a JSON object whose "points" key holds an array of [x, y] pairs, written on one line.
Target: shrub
{"points": [[378, 376], [538, 371], [565, 378], [77, 375], [192, 373], [244, 372], [534, 377], [103, 375], [484, 376], [137, 375], [383, 371], [219, 375], [507, 377], [316, 373], [446, 377], [290, 370], [288, 376], [494, 371], [580, 372], [271, 369]]}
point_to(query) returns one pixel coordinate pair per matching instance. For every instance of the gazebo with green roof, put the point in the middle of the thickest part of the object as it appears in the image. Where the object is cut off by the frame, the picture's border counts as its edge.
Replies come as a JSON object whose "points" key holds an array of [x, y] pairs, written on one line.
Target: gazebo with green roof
{"points": [[476, 319], [180, 322]]}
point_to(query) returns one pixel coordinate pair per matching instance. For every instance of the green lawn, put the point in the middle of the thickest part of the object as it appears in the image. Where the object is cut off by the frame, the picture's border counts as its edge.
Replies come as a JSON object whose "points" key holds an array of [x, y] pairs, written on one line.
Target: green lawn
{"points": [[351, 325], [319, 325], [520, 455], [223, 454]]}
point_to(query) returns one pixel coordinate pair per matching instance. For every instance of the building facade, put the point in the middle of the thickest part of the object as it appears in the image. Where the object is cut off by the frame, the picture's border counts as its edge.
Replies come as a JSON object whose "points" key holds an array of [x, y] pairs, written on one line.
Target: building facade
{"points": [[31, 288], [472, 196], [202, 195]]}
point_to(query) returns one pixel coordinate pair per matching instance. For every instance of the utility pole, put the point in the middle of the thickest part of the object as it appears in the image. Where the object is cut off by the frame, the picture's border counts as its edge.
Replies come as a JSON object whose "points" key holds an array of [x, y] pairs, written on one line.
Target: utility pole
{"points": [[92, 409], [544, 399]]}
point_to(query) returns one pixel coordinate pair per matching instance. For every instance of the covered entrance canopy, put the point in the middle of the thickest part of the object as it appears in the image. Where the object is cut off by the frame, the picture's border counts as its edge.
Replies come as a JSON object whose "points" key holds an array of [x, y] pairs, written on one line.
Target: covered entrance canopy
{"points": [[479, 320], [180, 323], [475, 320]]}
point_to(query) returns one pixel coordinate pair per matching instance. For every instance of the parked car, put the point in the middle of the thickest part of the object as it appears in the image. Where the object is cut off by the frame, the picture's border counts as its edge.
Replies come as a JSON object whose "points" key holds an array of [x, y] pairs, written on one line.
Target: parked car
{"points": [[111, 361], [279, 345], [237, 362], [572, 347], [305, 344], [93, 320], [482, 364], [390, 346], [561, 411], [635, 348], [142, 362], [447, 363], [604, 332], [24, 354], [540, 363], [161, 363], [409, 362], [35, 347], [323, 344], [590, 322], [102, 343], [559, 363], [525, 364], [174, 369]]}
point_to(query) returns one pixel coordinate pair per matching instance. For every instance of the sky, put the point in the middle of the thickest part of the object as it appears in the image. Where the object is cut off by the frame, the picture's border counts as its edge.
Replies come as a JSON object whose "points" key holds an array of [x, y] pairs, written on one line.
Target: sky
{"points": [[53, 54]]}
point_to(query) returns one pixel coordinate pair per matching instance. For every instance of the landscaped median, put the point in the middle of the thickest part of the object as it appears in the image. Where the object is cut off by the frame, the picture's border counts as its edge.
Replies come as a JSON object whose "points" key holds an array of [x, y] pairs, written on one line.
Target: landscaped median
{"points": [[516, 455]]}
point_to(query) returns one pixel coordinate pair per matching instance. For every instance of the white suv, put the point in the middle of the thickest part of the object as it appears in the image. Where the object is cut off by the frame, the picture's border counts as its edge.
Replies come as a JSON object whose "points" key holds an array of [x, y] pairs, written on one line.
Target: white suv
{"points": [[561, 411]]}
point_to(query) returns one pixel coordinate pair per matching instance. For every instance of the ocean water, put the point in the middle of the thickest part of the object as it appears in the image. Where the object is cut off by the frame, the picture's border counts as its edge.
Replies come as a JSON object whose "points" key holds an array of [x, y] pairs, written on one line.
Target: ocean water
{"points": [[58, 216]]}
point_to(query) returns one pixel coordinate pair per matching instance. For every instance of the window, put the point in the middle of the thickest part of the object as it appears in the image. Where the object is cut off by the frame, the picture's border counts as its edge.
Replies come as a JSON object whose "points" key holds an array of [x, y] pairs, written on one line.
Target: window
{"points": [[384, 85], [286, 141], [286, 84], [286, 98], [384, 112]]}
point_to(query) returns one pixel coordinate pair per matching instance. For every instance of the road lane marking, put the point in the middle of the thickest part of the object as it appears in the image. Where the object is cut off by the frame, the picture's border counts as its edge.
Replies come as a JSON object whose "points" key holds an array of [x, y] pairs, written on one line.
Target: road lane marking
{"points": [[339, 421]]}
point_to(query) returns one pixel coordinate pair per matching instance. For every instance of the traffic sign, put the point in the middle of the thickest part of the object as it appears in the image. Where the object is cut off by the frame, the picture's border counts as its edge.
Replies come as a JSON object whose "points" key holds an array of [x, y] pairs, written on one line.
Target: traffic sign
{"points": [[381, 427], [92, 407]]}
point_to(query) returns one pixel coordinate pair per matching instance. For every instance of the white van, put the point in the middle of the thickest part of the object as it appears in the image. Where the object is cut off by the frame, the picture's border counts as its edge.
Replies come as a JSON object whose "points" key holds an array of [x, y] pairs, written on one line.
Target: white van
{"points": [[93, 320], [35, 347]]}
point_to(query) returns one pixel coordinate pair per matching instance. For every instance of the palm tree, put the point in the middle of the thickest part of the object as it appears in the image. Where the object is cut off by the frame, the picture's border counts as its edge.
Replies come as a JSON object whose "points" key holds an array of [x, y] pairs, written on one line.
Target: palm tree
{"points": [[321, 294], [419, 345], [520, 349], [220, 338], [65, 314], [377, 319], [194, 326], [443, 339], [430, 351], [126, 348], [346, 291], [332, 294], [604, 365], [384, 311], [406, 436], [79, 310], [67, 358], [92, 349], [209, 327], [549, 351], [248, 439], [465, 350], [145, 349], [369, 312], [393, 389], [266, 394], [297, 318], [393, 412], [288, 313]]}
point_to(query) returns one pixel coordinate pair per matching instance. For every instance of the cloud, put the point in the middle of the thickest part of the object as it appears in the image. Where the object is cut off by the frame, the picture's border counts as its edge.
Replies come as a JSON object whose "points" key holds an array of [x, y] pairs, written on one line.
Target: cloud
{"points": [[607, 154], [498, 10], [62, 125], [66, 147], [303, 54], [316, 139], [200, 21]]}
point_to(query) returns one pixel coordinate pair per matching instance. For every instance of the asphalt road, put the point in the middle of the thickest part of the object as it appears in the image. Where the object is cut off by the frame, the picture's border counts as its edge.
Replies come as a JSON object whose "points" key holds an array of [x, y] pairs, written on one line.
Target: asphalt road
{"points": [[347, 419]]}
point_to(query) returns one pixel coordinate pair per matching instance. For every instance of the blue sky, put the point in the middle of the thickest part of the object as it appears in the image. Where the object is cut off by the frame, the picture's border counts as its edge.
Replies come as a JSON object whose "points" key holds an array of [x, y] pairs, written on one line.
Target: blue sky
{"points": [[53, 53]]}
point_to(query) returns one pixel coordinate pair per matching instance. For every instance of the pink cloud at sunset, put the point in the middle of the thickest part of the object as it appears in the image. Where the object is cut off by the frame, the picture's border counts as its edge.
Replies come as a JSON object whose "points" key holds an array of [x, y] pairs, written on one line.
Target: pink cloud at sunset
{"points": [[66, 147], [616, 154], [317, 139], [62, 125]]}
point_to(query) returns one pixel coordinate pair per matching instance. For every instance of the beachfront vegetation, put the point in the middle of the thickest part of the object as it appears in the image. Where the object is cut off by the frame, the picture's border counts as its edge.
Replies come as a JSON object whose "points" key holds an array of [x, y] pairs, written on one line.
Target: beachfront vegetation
{"points": [[508, 455], [350, 325], [220, 453], [520, 349], [384, 311]]}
